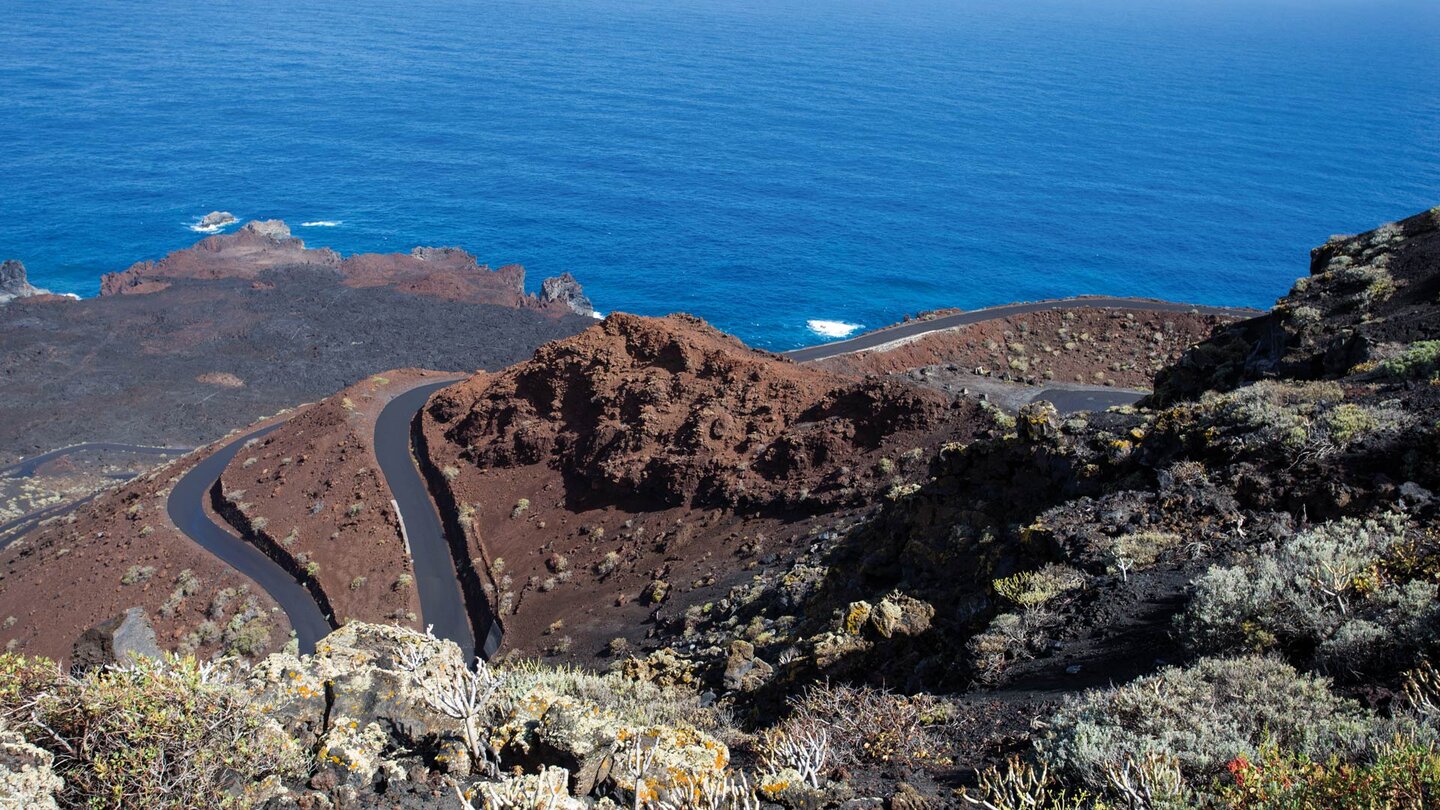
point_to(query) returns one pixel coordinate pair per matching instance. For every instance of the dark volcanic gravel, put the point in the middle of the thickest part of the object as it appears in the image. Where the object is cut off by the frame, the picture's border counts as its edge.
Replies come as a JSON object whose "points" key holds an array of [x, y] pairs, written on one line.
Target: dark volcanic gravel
{"points": [[125, 368]]}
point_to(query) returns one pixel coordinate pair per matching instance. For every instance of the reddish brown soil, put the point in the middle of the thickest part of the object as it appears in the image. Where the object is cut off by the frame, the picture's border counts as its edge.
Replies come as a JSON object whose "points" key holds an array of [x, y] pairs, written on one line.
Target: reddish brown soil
{"points": [[648, 464], [1123, 348], [64, 578], [315, 488]]}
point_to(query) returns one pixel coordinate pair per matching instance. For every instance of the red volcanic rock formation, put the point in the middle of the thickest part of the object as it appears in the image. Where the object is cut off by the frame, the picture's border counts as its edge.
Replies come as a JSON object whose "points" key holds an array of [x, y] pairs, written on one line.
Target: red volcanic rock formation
{"points": [[258, 246], [673, 412], [446, 273]]}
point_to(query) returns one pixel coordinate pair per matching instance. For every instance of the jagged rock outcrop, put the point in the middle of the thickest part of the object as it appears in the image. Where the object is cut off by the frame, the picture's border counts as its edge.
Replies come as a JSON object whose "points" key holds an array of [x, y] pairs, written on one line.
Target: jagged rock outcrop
{"points": [[674, 412], [14, 283], [564, 289], [116, 641]]}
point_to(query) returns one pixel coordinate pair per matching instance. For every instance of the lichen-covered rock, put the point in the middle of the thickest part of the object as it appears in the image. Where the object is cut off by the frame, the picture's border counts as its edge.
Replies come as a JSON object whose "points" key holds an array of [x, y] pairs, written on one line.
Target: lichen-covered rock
{"points": [[354, 751], [789, 789], [898, 614], [356, 676], [27, 779], [829, 649], [743, 671], [663, 668], [594, 744]]}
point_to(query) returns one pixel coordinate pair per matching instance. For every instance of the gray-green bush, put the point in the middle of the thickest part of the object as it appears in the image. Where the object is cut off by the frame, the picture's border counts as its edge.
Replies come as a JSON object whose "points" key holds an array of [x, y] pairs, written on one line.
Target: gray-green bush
{"points": [[1204, 716], [1319, 595]]}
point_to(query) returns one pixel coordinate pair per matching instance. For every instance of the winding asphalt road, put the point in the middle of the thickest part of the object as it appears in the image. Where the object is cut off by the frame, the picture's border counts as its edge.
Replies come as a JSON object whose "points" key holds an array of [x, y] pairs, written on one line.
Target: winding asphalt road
{"points": [[441, 601], [26, 467], [186, 507], [442, 605], [1066, 400], [880, 337]]}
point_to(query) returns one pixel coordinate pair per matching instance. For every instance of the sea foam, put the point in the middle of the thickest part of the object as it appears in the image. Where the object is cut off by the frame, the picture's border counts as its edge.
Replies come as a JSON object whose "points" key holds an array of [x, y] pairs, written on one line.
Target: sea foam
{"points": [[322, 223], [832, 329]]}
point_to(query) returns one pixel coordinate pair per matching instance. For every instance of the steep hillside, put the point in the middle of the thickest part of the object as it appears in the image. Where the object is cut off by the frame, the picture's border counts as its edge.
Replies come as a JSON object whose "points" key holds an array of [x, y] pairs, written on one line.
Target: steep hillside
{"points": [[312, 494], [1277, 498], [648, 464]]}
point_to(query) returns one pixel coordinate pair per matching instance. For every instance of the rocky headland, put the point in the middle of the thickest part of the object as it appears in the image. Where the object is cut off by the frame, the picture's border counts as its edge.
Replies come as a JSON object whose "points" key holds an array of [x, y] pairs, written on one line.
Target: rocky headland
{"points": [[178, 351]]}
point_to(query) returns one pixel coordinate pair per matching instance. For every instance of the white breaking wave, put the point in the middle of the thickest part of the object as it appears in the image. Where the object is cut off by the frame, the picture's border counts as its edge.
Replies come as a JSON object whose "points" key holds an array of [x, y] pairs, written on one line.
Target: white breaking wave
{"points": [[832, 329], [322, 223]]}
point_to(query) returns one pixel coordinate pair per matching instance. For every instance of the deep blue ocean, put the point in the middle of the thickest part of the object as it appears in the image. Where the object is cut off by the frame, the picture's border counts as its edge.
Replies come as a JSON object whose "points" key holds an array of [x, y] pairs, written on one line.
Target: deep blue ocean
{"points": [[760, 163]]}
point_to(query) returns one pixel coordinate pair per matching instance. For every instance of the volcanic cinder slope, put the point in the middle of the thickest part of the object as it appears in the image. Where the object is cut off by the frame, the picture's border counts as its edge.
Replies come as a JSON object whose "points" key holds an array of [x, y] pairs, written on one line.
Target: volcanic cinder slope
{"points": [[1079, 344], [647, 465]]}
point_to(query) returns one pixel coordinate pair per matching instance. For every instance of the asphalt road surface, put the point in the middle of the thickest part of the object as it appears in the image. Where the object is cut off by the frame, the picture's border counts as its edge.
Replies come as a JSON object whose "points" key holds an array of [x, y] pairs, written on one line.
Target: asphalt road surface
{"points": [[186, 507], [1073, 400], [442, 606], [26, 467], [880, 337]]}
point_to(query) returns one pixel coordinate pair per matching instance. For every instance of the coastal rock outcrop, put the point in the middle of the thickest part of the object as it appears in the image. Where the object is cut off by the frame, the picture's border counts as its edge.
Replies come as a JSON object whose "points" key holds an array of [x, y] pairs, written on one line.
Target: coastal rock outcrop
{"points": [[14, 283], [564, 289], [256, 247], [262, 248]]}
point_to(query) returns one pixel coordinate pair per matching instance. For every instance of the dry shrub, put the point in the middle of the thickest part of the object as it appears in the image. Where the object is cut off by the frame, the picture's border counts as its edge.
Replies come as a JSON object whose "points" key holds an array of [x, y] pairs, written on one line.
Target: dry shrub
{"points": [[868, 725]]}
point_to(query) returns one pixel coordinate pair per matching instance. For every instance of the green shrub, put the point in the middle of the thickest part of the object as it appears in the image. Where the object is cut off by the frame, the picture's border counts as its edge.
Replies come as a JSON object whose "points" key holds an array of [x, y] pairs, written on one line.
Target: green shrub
{"points": [[1141, 550], [1322, 593], [1264, 416], [1405, 773], [1029, 589], [1419, 360], [1348, 422], [172, 734], [1205, 716]]}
